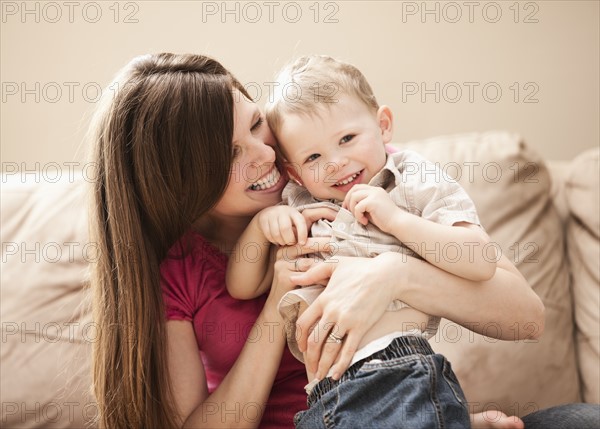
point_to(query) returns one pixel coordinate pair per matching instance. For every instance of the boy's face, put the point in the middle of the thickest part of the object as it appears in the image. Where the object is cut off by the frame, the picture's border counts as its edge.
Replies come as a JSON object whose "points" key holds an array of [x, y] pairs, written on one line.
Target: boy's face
{"points": [[341, 145]]}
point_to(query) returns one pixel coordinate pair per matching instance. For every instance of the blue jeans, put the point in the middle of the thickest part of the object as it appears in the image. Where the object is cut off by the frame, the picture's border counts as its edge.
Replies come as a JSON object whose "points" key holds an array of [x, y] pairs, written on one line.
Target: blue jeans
{"points": [[579, 416], [405, 385]]}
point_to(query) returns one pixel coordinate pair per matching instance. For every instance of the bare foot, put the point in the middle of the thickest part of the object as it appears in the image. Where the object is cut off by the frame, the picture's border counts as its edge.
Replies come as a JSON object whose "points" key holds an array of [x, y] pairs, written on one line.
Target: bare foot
{"points": [[493, 419]]}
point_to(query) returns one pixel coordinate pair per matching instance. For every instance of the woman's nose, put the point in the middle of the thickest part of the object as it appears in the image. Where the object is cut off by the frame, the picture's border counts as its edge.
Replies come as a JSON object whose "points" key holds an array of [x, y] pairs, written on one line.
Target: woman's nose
{"points": [[263, 153], [260, 160]]}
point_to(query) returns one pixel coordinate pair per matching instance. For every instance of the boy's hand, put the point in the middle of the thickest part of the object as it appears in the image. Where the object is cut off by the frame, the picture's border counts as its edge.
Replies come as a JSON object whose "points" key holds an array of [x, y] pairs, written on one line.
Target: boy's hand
{"points": [[283, 225], [371, 204]]}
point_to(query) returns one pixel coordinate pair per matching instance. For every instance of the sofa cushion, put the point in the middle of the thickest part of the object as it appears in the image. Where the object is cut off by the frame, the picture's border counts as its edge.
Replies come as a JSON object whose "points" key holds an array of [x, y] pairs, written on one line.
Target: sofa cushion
{"points": [[510, 186], [583, 232], [45, 372], [46, 325]]}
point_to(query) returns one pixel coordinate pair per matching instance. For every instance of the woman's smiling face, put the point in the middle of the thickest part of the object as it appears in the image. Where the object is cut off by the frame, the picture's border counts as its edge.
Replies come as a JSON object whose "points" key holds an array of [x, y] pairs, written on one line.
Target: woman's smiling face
{"points": [[255, 180]]}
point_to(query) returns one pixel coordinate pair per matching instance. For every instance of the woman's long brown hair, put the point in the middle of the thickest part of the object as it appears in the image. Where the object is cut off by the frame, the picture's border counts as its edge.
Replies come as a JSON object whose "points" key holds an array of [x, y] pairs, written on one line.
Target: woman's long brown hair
{"points": [[162, 149]]}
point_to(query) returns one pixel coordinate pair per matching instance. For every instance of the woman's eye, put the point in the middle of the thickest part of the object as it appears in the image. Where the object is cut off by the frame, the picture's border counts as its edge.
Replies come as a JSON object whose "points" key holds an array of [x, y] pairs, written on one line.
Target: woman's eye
{"points": [[347, 138], [257, 124], [312, 157]]}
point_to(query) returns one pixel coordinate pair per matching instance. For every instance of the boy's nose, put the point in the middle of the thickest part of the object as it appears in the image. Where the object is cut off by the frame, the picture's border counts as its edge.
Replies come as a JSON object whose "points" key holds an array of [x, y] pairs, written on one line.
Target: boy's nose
{"points": [[342, 161]]}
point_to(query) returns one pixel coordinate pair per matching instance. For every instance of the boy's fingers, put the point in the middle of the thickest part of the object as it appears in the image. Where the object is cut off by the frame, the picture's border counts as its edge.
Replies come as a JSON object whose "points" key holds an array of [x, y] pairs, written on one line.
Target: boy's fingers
{"points": [[275, 232], [301, 228], [347, 198], [312, 245], [312, 215], [316, 244], [359, 212], [287, 231]]}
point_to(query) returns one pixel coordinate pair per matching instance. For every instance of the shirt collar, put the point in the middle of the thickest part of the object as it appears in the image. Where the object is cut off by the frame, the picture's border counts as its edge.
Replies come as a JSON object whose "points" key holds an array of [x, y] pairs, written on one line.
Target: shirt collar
{"points": [[387, 175]]}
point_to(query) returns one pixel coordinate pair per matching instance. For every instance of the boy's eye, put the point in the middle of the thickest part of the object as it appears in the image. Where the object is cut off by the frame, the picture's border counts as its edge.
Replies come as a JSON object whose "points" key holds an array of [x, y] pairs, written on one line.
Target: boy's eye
{"points": [[257, 124], [312, 157], [347, 138]]}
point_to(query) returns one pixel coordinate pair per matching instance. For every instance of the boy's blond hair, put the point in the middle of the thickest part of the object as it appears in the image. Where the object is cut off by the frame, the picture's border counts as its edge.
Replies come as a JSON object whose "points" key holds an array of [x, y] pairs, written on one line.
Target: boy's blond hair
{"points": [[313, 82]]}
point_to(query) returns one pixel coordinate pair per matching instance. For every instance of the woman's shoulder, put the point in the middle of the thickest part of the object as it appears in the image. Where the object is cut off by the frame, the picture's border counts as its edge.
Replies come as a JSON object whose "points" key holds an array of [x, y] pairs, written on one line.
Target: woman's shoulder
{"points": [[190, 270]]}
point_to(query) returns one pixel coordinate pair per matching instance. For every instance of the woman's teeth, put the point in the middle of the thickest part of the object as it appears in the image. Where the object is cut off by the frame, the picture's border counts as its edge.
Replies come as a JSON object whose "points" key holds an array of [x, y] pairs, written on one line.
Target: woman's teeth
{"points": [[348, 180], [267, 181]]}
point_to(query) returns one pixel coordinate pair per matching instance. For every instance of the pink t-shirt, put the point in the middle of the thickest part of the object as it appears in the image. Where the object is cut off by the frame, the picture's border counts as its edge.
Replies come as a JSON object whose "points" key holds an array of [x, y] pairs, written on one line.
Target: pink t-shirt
{"points": [[193, 285]]}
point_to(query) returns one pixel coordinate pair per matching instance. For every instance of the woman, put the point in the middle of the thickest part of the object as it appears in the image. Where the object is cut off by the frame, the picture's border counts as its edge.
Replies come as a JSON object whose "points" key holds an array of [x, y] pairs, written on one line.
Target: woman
{"points": [[184, 162]]}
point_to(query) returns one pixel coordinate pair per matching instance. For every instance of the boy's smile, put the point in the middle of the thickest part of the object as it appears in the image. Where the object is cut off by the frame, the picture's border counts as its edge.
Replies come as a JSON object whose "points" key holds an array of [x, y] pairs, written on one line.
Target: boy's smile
{"points": [[337, 147], [347, 183]]}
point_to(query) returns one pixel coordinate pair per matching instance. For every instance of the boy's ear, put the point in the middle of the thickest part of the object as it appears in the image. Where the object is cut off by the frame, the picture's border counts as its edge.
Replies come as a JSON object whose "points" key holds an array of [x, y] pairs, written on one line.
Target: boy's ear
{"points": [[385, 119], [293, 170]]}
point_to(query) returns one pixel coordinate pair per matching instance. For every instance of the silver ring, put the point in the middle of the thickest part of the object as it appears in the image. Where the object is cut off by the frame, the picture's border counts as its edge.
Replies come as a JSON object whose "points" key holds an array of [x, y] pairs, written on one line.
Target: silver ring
{"points": [[296, 265], [335, 338]]}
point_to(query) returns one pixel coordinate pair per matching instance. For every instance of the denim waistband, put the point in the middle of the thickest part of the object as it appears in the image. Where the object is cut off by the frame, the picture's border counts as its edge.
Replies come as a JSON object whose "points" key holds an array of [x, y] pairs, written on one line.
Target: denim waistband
{"points": [[399, 347]]}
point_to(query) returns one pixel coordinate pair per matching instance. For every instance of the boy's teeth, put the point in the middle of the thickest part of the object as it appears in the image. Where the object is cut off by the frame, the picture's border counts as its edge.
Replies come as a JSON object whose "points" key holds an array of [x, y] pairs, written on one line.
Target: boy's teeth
{"points": [[348, 180], [266, 182]]}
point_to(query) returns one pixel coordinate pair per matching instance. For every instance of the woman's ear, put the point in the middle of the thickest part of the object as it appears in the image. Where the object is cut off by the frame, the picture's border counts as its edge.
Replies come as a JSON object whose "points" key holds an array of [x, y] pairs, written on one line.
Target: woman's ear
{"points": [[385, 120]]}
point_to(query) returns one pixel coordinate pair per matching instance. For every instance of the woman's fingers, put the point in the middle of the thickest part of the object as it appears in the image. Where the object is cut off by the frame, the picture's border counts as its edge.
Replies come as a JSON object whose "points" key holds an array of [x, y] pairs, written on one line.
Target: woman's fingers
{"points": [[350, 346], [332, 345], [303, 264], [304, 328], [350, 301], [319, 273], [315, 346]]}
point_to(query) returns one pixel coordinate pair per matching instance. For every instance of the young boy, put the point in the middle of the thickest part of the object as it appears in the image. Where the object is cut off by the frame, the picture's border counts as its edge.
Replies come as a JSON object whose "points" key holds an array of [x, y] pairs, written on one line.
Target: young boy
{"points": [[332, 133]]}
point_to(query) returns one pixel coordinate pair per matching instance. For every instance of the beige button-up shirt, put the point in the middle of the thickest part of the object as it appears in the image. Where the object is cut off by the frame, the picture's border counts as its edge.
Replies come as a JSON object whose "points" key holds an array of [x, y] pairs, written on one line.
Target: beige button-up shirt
{"points": [[415, 185]]}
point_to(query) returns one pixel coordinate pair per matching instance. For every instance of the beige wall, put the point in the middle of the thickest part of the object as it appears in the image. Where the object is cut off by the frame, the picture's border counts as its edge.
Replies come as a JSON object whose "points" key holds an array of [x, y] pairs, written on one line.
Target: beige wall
{"points": [[50, 54]]}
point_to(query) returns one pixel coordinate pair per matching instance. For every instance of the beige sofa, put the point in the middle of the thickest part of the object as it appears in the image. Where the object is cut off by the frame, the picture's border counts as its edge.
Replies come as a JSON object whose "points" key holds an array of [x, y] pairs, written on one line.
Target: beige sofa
{"points": [[544, 215]]}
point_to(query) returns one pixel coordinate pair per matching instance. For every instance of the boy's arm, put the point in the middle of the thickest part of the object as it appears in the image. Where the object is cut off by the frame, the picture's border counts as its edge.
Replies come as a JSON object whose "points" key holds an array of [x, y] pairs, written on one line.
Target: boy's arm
{"points": [[462, 249], [250, 268]]}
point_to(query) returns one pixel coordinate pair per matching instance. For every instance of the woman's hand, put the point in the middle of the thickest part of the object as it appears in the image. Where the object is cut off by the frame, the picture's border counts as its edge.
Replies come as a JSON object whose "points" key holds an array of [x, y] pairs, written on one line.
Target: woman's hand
{"points": [[356, 296], [289, 261]]}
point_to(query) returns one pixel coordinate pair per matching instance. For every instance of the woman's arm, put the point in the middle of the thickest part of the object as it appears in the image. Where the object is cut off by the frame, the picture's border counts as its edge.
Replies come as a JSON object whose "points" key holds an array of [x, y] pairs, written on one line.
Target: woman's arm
{"points": [[360, 289], [248, 382], [250, 379], [504, 300]]}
